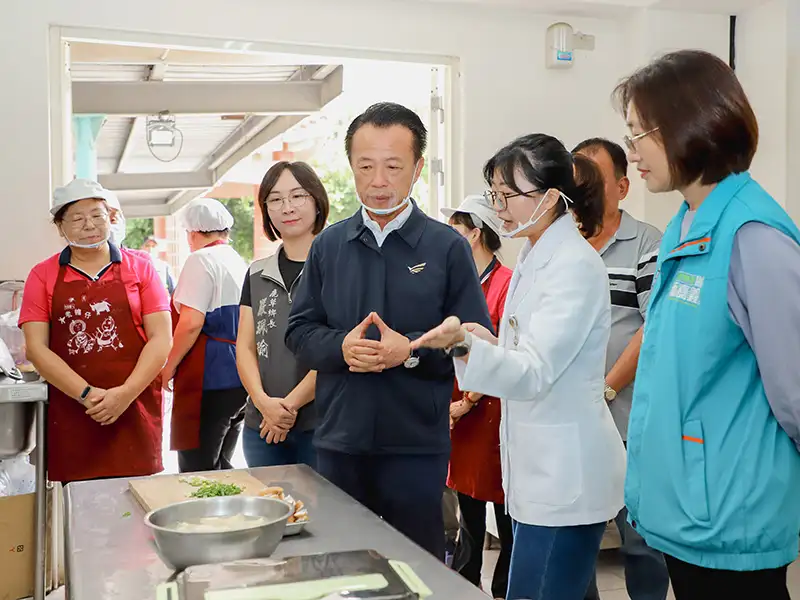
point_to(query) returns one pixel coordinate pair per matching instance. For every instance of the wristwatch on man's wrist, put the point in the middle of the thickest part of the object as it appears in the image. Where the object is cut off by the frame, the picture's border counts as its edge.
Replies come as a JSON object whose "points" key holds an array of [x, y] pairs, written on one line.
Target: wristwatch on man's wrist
{"points": [[610, 394], [412, 360], [461, 348]]}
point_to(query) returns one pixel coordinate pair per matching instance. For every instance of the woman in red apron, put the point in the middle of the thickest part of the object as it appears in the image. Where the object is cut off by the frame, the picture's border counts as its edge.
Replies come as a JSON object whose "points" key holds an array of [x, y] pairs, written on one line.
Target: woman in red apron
{"points": [[96, 326], [475, 421], [209, 400]]}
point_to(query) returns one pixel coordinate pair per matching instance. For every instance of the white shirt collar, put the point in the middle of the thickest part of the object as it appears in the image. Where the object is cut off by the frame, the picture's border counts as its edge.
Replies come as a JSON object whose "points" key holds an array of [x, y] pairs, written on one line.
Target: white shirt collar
{"points": [[393, 225]]}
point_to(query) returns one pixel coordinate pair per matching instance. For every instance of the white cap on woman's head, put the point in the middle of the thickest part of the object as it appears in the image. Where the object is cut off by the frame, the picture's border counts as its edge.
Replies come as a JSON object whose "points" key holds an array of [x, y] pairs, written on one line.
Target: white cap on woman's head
{"points": [[479, 209], [206, 214], [82, 189]]}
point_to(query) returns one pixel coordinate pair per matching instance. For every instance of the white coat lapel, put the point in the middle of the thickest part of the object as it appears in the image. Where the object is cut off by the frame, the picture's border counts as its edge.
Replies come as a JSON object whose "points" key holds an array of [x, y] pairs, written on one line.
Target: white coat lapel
{"points": [[521, 284], [532, 258]]}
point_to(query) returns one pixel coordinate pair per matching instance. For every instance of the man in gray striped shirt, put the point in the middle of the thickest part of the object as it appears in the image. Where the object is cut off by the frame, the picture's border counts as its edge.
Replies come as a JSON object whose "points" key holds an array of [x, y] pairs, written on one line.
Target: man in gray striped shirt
{"points": [[630, 249]]}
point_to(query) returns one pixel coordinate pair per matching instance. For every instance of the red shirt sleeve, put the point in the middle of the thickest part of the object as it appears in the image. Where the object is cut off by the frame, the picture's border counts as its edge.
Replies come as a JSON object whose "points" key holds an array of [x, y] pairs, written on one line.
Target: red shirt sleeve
{"points": [[151, 289], [36, 301], [502, 281]]}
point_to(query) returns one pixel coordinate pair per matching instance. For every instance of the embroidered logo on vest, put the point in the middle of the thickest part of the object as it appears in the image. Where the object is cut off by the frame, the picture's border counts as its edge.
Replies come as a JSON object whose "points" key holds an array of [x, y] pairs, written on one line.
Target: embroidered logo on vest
{"points": [[686, 288]]}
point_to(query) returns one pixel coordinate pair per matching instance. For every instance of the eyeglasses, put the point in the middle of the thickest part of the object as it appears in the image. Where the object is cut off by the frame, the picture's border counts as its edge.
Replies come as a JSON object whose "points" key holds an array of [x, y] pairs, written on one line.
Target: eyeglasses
{"points": [[630, 141], [295, 199], [499, 200], [79, 222]]}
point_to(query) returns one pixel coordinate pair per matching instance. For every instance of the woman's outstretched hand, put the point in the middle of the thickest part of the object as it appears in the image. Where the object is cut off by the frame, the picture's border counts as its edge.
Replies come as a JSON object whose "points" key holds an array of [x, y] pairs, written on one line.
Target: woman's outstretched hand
{"points": [[445, 335], [479, 331]]}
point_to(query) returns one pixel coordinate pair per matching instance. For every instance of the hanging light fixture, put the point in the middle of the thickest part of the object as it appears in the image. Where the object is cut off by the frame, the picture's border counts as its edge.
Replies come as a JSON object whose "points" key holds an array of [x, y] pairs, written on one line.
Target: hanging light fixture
{"points": [[162, 132]]}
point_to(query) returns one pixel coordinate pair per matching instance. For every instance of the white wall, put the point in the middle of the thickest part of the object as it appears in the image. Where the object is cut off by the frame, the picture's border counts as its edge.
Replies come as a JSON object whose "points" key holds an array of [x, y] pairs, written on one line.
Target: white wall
{"points": [[793, 111], [505, 89], [26, 236], [645, 35], [762, 68], [658, 32]]}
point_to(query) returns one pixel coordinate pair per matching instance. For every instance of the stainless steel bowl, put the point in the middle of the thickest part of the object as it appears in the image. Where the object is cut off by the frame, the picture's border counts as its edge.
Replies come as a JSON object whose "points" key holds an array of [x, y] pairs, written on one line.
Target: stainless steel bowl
{"points": [[184, 549]]}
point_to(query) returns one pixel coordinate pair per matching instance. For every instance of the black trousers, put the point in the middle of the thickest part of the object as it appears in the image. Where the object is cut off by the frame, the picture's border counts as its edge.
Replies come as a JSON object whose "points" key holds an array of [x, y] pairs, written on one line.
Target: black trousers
{"points": [[690, 582], [404, 489], [469, 553], [221, 419]]}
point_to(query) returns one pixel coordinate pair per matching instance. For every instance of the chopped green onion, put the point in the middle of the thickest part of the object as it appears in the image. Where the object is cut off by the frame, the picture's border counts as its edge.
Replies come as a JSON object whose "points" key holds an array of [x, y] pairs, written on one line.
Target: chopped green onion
{"points": [[212, 489]]}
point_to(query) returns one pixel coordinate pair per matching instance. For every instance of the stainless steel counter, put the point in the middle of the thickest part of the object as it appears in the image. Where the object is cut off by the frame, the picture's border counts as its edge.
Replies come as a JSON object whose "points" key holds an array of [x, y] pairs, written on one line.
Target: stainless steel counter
{"points": [[19, 395], [111, 555]]}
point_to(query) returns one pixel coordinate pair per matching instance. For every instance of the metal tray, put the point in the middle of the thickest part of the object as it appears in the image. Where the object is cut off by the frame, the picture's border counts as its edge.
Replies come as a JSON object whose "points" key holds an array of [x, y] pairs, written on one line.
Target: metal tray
{"points": [[293, 529]]}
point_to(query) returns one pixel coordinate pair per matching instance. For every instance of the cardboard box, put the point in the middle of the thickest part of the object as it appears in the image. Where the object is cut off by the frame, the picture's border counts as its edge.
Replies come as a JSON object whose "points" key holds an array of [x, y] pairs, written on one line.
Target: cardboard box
{"points": [[18, 545]]}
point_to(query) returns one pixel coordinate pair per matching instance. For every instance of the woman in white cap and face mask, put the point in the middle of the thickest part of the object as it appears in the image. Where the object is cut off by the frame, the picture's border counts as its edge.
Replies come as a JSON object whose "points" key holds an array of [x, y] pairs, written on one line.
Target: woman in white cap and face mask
{"points": [[474, 471], [562, 459], [208, 408], [97, 328]]}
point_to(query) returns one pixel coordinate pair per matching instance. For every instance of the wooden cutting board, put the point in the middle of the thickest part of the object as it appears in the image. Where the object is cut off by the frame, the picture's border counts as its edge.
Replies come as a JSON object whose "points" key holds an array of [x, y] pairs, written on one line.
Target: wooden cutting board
{"points": [[162, 490]]}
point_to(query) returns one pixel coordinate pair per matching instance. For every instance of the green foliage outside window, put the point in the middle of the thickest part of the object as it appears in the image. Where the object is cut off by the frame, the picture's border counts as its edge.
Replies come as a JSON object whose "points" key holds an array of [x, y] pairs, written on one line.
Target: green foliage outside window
{"points": [[243, 211], [137, 231], [341, 192]]}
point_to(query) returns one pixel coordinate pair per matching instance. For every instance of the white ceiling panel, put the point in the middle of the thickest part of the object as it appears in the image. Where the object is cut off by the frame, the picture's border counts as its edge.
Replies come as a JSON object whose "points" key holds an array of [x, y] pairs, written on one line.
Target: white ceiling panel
{"points": [[92, 72], [122, 141], [617, 7], [229, 73], [112, 137], [144, 197]]}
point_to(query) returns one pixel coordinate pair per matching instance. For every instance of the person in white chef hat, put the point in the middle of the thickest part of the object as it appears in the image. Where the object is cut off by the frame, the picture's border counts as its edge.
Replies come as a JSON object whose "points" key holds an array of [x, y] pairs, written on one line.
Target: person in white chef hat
{"points": [[209, 400], [97, 328]]}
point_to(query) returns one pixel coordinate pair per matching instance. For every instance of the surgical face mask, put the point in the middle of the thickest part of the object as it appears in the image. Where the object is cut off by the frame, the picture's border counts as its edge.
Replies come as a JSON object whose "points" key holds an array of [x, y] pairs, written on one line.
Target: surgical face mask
{"points": [[392, 209], [118, 231], [532, 221], [87, 246]]}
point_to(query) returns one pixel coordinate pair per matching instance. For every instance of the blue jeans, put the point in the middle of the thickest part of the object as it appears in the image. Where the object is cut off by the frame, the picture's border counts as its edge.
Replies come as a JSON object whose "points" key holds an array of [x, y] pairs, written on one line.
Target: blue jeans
{"points": [[296, 449], [646, 576], [553, 563]]}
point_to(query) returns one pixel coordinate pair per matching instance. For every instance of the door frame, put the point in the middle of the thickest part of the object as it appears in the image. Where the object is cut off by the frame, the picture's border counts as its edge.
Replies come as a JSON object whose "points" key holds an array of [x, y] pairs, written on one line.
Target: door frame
{"points": [[61, 159]]}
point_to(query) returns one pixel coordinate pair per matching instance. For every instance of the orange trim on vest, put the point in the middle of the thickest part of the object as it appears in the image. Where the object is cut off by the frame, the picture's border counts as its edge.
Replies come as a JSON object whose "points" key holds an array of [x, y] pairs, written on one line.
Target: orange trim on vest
{"points": [[695, 242]]}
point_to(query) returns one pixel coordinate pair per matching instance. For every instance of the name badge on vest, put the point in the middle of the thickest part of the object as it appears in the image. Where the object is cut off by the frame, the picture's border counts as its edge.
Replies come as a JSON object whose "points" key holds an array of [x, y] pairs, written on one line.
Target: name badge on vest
{"points": [[514, 324], [687, 288]]}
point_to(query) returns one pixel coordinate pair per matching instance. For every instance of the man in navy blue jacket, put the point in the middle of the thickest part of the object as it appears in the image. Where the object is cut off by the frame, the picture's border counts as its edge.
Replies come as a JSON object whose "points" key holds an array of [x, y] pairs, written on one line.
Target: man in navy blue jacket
{"points": [[371, 284]]}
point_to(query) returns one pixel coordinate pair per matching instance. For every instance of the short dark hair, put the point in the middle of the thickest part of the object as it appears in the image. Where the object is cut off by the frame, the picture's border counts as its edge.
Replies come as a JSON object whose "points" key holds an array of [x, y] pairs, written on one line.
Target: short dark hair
{"points": [[613, 149], [489, 239], [547, 164], [705, 122], [58, 217], [386, 114], [308, 180]]}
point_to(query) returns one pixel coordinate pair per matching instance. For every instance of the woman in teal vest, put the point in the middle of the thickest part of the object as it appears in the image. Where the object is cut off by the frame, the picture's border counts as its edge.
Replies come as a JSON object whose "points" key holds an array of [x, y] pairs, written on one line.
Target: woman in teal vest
{"points": [[713, 475]]}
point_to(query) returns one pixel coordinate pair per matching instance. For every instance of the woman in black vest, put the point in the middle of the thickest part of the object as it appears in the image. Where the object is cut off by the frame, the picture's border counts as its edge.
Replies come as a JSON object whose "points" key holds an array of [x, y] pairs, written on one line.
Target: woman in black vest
{"points": [[280, 416]]}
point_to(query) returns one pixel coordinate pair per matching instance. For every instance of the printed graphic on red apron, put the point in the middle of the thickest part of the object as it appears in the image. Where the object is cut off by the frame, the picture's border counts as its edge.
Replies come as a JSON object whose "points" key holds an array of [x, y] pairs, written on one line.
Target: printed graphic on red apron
{"points": [[80, 341], [107, 337], [90, 329]]}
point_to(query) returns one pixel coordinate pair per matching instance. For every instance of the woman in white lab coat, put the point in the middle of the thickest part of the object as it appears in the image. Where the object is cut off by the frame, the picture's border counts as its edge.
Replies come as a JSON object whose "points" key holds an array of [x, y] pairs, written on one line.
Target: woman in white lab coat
{"points": [[562, 458]]}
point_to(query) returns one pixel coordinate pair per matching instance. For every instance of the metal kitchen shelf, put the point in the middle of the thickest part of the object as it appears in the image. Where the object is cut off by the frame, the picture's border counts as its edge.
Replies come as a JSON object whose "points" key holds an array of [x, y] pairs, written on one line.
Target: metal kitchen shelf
{"points": [[27, 391]]}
